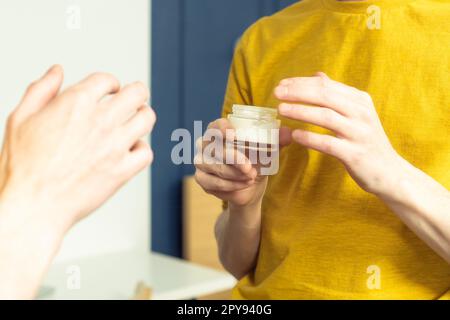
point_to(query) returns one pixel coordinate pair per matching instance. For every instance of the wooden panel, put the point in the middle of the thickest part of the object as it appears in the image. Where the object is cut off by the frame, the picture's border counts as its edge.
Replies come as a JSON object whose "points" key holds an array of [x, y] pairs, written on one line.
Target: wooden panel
{"points": [[200, 212]]}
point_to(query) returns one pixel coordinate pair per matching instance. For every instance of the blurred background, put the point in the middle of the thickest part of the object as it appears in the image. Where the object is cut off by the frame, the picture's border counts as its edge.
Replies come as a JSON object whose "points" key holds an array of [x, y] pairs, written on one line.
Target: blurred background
{"points": [[183, 50]]}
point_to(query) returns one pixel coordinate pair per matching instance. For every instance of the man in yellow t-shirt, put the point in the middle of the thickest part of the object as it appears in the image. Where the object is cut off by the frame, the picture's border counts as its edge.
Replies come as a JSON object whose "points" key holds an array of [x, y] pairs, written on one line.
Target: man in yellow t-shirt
{"points": [[360, 208]]}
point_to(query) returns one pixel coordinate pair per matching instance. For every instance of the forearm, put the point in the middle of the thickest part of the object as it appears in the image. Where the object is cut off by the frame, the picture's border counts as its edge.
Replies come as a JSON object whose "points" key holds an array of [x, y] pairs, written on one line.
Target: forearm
{"points": [[238, 232], [423, 205], [27, 245]]}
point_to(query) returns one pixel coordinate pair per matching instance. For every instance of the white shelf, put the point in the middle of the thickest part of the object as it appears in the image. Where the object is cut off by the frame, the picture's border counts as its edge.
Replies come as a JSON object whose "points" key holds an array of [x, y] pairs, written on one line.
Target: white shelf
{"points": [[114, 276]]}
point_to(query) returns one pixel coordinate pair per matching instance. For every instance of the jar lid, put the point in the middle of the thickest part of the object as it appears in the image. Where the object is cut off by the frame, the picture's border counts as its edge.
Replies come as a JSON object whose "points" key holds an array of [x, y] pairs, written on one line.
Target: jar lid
{"points": [[254, 111]]}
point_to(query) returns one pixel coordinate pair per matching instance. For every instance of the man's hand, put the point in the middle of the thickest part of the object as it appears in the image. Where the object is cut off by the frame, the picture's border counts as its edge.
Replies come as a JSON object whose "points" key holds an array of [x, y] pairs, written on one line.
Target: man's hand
{"points": [[237, 183], [238, 228], [65, 154], [359, 140]]}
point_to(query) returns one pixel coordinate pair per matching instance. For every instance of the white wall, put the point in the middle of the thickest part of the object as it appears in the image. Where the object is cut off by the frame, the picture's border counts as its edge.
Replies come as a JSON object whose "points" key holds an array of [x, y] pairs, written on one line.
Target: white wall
{"points": [[113, 36]]}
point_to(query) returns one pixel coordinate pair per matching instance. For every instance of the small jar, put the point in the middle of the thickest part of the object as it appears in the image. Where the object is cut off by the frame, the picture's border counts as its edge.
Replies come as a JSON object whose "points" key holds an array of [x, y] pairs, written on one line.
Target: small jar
{"points": [[257, 136]]}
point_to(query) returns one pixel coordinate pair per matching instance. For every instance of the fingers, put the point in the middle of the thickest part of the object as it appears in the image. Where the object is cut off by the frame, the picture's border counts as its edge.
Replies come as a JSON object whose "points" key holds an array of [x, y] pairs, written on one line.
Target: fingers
{"points": [[125, 103], [139, 154], [222, 153], [98, 85], [224, 126], [322, 91], [359, 95], [221, 169], [40, 92], [139, 125], [212, 146], [139, 157], [318, 116], [323, 143], [212, 183], [285, 137]]}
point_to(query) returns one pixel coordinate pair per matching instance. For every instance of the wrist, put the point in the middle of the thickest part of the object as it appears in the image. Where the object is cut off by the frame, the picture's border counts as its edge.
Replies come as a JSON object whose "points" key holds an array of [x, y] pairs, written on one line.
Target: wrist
{"points": [[26, 235], [397, 181], [21, 211], [248, 216]]}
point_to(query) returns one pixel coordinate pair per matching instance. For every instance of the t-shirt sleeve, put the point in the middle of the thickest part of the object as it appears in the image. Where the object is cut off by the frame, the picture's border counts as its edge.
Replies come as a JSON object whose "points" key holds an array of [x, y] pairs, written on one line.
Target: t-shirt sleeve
{"points": [[238, 88]]}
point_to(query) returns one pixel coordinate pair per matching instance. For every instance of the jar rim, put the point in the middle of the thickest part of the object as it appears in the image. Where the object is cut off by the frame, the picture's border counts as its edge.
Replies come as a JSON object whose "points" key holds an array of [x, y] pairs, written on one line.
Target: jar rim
{"points": [[259, 111]]}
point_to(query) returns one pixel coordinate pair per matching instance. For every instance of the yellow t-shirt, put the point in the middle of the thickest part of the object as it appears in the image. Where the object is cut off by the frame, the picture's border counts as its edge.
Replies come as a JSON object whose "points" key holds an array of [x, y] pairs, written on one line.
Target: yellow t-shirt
{"points": [[323, 237]]}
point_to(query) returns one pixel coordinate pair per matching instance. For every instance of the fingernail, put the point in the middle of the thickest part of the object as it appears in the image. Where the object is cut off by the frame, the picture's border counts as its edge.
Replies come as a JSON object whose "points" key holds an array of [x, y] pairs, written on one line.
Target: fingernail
{"points": [[281, 91], [297, 134], [285, 108]]}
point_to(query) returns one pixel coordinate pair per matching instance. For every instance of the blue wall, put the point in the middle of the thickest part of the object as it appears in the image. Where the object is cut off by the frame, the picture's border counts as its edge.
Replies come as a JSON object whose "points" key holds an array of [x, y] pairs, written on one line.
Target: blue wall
{"points": [[192, 48]]}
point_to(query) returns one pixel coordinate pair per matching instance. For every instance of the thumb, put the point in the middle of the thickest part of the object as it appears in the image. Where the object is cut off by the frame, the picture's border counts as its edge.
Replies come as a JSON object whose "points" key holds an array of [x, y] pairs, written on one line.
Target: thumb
{"points": [[40, 92], [285, 137]]}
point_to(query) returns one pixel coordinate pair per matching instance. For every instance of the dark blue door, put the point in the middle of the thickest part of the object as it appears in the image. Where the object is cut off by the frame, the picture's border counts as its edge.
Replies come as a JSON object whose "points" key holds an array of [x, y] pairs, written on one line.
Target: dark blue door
{"points": [[192, 47]]}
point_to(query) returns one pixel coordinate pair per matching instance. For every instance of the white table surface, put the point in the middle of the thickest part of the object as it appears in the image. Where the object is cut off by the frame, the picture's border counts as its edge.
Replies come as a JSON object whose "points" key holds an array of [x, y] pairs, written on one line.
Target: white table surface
{"points": [[115, 276]]}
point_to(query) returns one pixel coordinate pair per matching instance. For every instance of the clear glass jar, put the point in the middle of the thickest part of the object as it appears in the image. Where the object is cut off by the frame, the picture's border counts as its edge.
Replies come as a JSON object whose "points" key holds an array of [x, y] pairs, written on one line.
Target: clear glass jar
{"points": [[257, 136]]}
